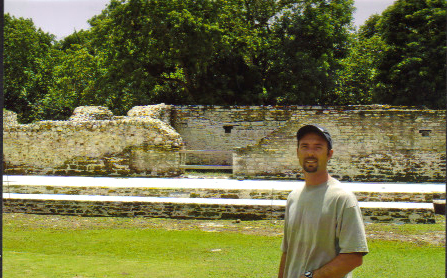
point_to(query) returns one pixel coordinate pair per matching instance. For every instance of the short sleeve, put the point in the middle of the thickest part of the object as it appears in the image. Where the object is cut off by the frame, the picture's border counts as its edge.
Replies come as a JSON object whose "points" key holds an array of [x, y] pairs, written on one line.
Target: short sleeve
{"points": [[352, 237]]}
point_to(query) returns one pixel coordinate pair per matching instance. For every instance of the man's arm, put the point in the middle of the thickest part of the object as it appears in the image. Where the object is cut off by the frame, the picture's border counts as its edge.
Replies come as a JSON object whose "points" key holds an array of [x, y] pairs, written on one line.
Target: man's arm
{"points": [[282, 265], [339, 266]]}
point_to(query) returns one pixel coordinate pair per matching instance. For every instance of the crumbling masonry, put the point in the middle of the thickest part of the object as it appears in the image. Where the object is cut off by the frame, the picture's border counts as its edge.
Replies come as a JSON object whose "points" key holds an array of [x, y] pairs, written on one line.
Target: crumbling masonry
{"points": [[372, 143]]}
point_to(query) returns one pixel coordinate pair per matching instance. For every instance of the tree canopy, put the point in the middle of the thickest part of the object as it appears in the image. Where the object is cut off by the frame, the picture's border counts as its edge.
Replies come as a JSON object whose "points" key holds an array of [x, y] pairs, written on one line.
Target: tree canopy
{"points": [[413, 67], [228, 52], [27, 66]]}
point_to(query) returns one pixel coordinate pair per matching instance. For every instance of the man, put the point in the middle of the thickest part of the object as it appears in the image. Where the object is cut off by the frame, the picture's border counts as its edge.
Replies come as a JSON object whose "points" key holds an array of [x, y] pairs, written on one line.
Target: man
{"points": [[324, 235]]}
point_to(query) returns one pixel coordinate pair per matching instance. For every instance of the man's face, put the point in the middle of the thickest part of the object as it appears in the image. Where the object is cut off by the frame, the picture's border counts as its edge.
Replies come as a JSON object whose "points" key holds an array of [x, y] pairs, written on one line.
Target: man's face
{"points": [[313, 153]]}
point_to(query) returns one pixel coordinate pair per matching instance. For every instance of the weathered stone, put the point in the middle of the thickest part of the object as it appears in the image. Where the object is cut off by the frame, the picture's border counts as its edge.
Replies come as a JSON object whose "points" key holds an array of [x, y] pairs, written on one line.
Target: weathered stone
{"points": [[372, 143], [90, 113], [92, 147], [9, 119], [161, 112]]}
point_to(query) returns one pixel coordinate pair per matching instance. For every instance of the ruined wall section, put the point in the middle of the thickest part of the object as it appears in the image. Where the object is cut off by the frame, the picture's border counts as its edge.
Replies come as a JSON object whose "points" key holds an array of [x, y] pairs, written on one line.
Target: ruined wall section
{"points": [[381, 144], [161, 112], [9, 118], [226, 128], [93, 145], [195, 211], [376, 143]]}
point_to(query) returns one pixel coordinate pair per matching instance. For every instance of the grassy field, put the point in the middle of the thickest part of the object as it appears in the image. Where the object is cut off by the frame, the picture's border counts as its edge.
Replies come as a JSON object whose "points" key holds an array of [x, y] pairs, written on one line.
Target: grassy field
{"points": [[64, 246]]}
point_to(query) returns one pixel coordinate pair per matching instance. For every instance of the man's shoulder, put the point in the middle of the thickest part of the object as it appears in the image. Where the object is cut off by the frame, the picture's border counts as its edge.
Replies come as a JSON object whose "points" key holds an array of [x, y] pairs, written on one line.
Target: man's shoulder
{"points": [[336, 186], [339, 190]]}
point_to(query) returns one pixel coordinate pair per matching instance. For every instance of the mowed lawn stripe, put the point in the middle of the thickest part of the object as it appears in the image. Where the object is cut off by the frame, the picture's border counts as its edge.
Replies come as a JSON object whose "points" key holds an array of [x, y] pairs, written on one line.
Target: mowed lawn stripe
{"points": [[160, 253], [44, 246]]}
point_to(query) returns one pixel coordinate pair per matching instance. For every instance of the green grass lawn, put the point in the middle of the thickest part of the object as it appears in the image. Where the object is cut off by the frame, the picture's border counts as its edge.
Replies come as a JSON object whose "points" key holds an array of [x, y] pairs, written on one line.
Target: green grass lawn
{"points": [[137, 253], [399, 259], [113, 247]]}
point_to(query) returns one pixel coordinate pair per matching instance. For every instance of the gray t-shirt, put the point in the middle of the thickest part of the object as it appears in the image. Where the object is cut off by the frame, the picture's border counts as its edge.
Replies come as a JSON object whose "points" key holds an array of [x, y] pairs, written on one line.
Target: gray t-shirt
{"points": [[321, 222]]}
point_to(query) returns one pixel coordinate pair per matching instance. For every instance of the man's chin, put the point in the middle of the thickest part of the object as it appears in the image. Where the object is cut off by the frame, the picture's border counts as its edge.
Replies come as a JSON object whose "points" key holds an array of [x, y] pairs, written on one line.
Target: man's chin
{"points": [[310, 169]]}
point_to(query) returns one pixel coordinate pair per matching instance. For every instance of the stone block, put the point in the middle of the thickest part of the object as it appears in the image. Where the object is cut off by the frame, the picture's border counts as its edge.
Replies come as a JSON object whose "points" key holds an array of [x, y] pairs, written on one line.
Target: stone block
{"points": [[89, 113]]}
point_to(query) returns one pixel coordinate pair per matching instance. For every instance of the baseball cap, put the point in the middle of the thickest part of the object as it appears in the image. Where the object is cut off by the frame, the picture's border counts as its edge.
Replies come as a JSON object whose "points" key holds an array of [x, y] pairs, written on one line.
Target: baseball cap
{"points": [[315, 128]]}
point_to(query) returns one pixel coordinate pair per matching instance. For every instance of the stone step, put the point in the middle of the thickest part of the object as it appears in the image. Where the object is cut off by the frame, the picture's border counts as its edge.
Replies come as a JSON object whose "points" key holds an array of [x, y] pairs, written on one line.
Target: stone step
{"points": [[197, 208], [210, 188]]}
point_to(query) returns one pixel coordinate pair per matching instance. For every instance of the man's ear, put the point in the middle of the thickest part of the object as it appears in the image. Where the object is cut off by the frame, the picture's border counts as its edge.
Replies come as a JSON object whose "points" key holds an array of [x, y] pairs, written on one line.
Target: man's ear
{"points": [[330, 153]]}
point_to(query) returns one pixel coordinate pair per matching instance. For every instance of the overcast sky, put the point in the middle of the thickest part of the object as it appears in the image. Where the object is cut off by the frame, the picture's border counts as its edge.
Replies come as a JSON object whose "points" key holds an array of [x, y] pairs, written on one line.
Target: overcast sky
{"points": [[63, 17]]}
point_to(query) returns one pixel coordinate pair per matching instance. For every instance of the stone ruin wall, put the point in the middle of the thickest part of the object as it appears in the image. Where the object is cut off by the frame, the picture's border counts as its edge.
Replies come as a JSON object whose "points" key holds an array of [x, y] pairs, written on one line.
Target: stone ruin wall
{"points": [[226, 128], [372, 143], [94, 143], [9, 118], [195, 211], [375, 143]]}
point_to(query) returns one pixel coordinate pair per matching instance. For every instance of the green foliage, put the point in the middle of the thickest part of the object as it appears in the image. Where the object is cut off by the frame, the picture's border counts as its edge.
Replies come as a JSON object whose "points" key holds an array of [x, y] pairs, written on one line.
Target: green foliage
{"points": [[356, 82], [154, 50], [370, 27], [313, 38], [228, 52], [219, 52], [412, 70], [74, 73], [77, 38], [198, 52], [397, 58], [27, 67]]}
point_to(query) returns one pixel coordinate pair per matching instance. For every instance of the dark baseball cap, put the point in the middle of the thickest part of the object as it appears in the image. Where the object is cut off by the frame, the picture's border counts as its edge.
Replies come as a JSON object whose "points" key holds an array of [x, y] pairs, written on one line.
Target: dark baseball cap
{"points": [[317, 129]]}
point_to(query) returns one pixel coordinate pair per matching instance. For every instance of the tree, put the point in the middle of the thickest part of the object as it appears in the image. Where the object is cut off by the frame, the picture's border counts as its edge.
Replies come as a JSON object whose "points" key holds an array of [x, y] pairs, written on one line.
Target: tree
{"points": [[203, 52], [220, 52], [369, 27], [154, 50], [74, 74], [193, 52], [413, 68], [313, 38], [27, 66], [356, 82]]}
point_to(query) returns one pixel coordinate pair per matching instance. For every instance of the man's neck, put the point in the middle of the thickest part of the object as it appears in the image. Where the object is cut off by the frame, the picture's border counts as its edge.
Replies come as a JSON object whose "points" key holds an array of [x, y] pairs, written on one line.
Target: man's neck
{"points": [[313, 179]]}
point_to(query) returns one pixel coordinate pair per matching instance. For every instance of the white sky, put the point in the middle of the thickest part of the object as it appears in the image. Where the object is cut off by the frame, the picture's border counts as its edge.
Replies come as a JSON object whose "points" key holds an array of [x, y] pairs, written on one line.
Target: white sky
{"points": [[63, 17]]}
